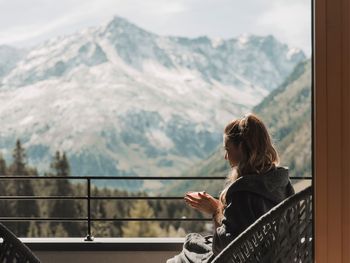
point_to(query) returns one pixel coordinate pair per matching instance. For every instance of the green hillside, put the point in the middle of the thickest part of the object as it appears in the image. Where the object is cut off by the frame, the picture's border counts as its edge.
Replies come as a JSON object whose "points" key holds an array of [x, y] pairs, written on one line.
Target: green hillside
{"points": [[287, 113]]}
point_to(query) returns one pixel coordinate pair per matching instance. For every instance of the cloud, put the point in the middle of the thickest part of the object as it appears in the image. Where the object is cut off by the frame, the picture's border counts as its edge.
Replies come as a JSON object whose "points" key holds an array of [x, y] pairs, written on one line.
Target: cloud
{"points": [[29, 22], [290, 21], [24, 32], [32, 22], [25, 20]]}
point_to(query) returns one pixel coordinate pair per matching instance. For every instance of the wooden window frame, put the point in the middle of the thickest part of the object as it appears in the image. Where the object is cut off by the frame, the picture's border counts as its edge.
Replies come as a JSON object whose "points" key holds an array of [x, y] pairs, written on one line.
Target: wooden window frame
{"points": [[331, 130]]}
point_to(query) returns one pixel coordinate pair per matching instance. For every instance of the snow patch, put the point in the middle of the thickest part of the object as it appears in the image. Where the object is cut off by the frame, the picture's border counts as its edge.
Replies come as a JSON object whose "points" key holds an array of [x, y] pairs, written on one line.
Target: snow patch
{"points": [[243, 39], [216, 42], [159, 139], [291, 52]]}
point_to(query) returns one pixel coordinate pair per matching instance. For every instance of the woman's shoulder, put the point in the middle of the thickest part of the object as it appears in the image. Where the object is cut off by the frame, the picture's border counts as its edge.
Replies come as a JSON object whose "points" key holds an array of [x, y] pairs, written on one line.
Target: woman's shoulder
{"points": [[274, 184], [275, 177]]}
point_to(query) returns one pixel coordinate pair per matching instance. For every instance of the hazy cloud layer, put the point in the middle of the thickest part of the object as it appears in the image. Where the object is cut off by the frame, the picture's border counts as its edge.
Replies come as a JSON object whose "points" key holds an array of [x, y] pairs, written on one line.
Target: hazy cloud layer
{"points": [[25, 23]]}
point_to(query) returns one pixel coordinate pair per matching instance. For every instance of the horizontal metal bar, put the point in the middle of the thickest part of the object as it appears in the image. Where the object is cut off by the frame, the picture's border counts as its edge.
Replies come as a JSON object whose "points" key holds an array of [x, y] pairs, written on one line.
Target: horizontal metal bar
{"points": [[69, 219], [63, 219], [43, 197], [138, 197], [127, 177], [151, 219], [92, 198], [23, 177]]}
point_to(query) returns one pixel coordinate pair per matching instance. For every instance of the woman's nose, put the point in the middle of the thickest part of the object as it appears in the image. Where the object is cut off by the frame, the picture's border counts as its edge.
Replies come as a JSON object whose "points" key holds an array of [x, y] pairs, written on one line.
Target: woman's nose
{"points": [[225, 156]]}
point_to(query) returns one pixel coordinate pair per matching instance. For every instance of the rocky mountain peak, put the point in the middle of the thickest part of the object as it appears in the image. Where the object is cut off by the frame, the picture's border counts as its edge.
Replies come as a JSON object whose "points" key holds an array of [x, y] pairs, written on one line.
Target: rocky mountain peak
{"points": [[122, 101]]}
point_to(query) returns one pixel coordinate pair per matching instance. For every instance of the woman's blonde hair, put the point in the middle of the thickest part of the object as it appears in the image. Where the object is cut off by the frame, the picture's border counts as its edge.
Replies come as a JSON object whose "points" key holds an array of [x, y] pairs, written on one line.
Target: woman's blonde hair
{"points": [[258, 154]]}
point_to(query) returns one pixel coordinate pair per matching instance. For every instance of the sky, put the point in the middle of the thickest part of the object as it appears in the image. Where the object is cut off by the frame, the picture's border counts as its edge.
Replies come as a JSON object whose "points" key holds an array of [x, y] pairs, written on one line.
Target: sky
{"points": [[25, 23]]}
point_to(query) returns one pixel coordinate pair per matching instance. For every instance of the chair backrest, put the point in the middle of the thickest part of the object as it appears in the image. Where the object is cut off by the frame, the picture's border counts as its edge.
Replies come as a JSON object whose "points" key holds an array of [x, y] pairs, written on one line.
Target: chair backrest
{"points": [[284, 234], [12, 250]]}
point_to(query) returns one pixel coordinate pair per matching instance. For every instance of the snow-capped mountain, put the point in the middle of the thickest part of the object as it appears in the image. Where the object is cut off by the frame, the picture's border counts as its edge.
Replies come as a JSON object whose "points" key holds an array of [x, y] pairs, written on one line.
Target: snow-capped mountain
{"points": [[9, 56], [123, 101]]}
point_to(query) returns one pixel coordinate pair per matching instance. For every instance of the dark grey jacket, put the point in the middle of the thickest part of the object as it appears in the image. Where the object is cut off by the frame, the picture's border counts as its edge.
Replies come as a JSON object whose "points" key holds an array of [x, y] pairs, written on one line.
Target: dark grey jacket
{"points": [[248, 198]]}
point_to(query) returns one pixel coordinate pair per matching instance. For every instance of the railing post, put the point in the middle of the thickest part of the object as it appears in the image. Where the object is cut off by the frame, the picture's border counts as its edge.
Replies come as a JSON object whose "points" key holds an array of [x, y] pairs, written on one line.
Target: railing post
{"points": [[89, 237]]}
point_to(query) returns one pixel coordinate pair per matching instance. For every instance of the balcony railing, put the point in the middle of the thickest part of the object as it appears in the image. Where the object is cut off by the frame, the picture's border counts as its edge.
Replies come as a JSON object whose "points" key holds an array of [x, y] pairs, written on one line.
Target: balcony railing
{"points": [[88, 198]]}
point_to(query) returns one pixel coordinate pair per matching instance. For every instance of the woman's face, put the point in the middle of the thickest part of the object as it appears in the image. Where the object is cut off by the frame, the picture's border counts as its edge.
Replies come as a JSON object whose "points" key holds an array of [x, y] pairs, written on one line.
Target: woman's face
{"points": [[232, 154]]}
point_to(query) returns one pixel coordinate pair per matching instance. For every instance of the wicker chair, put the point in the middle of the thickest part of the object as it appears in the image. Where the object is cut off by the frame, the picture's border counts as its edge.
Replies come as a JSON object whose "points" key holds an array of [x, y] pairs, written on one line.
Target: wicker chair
{"points": [[12, 250], [282, 235]]}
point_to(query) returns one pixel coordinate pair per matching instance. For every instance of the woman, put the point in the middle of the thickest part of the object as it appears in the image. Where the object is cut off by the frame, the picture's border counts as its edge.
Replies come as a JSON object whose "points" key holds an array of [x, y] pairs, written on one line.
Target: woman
{"points": [[255, 185]]}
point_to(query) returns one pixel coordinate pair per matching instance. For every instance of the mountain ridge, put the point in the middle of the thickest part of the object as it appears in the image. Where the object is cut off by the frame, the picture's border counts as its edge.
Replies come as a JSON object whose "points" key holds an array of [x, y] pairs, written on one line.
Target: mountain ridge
{"points": [[286, 112], [107, 96]]}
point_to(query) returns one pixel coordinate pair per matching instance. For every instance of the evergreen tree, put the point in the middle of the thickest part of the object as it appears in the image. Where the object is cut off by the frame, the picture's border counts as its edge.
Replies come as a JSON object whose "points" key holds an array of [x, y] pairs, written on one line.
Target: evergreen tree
{"points": [[34, 229], [27, 208], [77, 208], [59, 230], [172, 232], [142, 228], [19, 160], [63, 208], [4, 188], [3, 168], [100, 228]]}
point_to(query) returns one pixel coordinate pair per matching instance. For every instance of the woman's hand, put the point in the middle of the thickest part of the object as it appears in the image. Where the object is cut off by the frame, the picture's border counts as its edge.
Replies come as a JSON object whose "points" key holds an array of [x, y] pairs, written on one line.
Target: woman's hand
{"points": [[203, 202]]}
